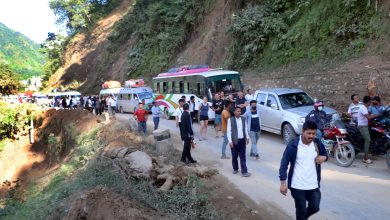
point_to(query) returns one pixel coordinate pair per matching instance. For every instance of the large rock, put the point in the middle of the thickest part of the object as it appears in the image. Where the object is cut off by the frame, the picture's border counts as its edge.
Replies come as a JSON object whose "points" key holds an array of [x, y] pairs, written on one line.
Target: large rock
{"points": [[164, 147], [133, 124], [161, 134], [139, 164], [150, 140]]}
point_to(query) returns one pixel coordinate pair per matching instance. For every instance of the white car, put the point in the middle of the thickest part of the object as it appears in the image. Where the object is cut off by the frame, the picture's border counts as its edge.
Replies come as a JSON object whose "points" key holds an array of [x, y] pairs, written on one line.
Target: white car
{"points": [[283, 110]]}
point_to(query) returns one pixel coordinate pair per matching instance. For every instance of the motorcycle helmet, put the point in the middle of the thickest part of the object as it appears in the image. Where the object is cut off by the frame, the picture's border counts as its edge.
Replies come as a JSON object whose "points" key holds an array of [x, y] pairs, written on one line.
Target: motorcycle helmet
{"points": [[318, 104]]}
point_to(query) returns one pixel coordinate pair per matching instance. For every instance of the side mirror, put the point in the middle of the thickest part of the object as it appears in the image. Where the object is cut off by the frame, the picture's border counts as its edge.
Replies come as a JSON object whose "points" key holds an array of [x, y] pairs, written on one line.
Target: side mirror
{"points": [[274, 106]]}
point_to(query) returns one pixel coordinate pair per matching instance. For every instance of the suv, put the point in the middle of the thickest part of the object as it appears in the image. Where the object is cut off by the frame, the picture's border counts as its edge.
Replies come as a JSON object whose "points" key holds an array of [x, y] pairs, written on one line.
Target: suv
{"points": [[283, 110]]}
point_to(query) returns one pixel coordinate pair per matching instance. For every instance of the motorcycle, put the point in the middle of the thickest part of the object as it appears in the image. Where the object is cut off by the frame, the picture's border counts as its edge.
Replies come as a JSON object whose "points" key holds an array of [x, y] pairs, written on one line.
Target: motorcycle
{"points": [[336, 144], [380, 138]]}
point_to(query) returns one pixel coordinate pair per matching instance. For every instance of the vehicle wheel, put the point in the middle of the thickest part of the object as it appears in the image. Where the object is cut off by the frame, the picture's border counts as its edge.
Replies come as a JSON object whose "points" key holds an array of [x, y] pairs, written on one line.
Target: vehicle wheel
{"points": [[121, 109], [288, 133], [388, 159], [166, 114], [344, 154]]}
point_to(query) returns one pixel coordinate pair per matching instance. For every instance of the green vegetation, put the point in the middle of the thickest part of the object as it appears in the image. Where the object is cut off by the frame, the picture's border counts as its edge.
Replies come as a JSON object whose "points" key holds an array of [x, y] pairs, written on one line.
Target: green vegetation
{"points": [[78, 15], [13, 119], [161, 28], [85, 171], [53, 49], [9, 80], [272, 33], [20, 53]]}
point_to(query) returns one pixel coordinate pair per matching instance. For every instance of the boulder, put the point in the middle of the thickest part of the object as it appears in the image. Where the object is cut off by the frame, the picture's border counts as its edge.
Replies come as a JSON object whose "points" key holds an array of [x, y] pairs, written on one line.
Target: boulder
{"points": [[150, 140], [133, 124], [139, 164], [161, 134], [164, 147]]}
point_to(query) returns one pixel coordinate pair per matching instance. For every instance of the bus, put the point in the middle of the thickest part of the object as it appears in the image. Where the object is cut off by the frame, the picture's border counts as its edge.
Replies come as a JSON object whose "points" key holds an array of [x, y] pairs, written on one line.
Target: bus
{"points": [[129, 98], [198, 81]]}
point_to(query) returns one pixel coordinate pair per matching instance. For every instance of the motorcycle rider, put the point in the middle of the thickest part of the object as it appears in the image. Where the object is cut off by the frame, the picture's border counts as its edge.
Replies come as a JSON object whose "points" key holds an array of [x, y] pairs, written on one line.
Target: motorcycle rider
{"points": [[376, 108], [319, 117], [362, 119]]}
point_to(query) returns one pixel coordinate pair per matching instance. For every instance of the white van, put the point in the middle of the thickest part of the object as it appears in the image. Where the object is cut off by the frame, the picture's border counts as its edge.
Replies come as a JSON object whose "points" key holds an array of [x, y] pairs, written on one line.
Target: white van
{"points": [[129, 98]]}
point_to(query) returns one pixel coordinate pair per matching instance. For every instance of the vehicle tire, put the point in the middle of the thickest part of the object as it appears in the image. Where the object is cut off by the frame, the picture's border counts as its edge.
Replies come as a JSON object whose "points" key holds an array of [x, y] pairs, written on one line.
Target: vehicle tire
{"points": [[288, 133], [344, 154], [121, 109], [388, 159], [166, 114]]}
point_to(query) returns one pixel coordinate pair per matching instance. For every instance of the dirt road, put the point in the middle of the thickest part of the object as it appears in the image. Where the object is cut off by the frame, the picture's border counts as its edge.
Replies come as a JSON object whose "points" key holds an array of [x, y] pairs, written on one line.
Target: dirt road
{"points": [[356, 192]]}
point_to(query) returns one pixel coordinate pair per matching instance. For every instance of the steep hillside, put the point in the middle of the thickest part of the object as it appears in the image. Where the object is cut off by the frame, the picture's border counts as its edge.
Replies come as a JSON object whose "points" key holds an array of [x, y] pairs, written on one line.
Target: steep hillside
{"points": [[263, 39], [20, 53]]}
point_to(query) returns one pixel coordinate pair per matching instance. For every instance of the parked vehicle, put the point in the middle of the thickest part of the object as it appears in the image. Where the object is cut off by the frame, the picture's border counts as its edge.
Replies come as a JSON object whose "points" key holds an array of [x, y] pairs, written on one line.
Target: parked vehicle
{"points": [[129, 98], [193, 80], [380, 138], [283, 110], [334, 140]]}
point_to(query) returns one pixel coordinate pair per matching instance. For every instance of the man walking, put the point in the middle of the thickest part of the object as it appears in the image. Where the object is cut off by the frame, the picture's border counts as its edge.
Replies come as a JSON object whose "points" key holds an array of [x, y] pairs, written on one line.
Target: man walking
{"points": [[193, 110], [305, 154], [141, 115], [253, 121], [178, 113], [362, 121], [237, 136], [241, 102], [187, 135], [225, 118], [156, 111]]}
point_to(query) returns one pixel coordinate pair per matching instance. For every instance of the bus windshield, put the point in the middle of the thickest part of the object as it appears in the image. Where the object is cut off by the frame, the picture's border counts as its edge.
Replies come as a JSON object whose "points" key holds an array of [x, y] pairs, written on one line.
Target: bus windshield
{"points": [[229, 84]]}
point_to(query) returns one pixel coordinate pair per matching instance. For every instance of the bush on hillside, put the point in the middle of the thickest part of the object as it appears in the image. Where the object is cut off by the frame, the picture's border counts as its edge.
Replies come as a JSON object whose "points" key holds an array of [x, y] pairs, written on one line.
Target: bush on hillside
{"points": [[283, 31]]}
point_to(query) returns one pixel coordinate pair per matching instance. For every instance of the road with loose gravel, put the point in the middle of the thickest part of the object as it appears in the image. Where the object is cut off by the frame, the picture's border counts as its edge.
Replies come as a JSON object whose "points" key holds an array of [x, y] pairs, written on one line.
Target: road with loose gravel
{"points": [[356, 192]]}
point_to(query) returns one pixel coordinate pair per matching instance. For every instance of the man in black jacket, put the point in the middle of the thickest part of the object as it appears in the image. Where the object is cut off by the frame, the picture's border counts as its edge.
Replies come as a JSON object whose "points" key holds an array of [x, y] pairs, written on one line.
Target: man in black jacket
{"points": [[187, 135]]}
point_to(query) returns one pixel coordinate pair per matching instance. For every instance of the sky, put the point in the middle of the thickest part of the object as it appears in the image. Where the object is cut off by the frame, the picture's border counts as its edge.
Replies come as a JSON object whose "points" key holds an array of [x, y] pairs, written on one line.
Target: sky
{"points": [[33, 18]]}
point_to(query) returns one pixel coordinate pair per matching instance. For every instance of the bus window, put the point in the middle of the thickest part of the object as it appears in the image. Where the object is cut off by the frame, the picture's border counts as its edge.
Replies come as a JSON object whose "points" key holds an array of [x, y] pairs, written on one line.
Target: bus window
{"points": [[172, 87], [177, 88], [181, 87], [129, 97], [165, 87], [135, 97], [198, 89], [156, 86], [186, 87]]}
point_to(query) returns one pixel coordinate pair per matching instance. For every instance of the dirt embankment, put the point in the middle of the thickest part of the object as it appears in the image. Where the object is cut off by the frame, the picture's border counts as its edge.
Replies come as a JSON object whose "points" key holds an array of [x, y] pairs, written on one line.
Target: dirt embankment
{"points": [[55, 135]]}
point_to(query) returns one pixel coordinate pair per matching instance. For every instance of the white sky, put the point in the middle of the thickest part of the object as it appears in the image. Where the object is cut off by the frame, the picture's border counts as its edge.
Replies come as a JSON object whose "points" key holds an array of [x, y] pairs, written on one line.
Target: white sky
{"points": [[32, 18]]}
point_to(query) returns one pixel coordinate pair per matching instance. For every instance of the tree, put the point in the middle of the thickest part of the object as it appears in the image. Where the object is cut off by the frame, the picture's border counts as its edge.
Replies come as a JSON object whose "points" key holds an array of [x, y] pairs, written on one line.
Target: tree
{"points": [[53, 48], [9, 82]]}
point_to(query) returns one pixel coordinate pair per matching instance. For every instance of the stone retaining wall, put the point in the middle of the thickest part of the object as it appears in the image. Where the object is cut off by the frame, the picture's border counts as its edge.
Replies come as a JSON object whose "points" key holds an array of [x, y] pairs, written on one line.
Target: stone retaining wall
{"points": [[334, 88]]}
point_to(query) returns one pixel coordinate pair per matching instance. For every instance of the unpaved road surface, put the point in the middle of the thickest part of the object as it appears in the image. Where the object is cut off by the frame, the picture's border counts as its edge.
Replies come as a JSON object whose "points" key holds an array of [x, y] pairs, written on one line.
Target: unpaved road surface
{"points": [[356, 192]]}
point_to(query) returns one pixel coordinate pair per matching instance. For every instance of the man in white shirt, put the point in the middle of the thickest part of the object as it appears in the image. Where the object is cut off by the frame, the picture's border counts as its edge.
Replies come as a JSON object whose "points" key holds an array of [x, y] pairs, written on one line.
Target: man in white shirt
{"points": [[238, 138], [178, 113], [362, 121], [303, 156], [249, 95], [354, 108]]}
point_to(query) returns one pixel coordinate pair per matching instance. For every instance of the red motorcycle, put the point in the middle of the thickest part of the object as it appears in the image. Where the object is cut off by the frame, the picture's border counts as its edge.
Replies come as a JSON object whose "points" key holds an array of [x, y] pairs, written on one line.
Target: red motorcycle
{"points": [[336, 145]]}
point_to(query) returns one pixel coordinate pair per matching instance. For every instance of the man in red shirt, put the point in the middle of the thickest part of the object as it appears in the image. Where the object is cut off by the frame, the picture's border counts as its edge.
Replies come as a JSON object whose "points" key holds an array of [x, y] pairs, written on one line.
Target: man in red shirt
{"points": [[141, 115]]}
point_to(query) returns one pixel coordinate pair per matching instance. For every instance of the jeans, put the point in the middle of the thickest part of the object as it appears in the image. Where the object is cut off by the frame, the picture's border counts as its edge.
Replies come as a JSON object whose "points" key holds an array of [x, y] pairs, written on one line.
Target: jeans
{"points": [[156, 121], [365, 132], [142, 127], [319, 134], [312, 197], [254, 135], [238, 150], [225, 142]]}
